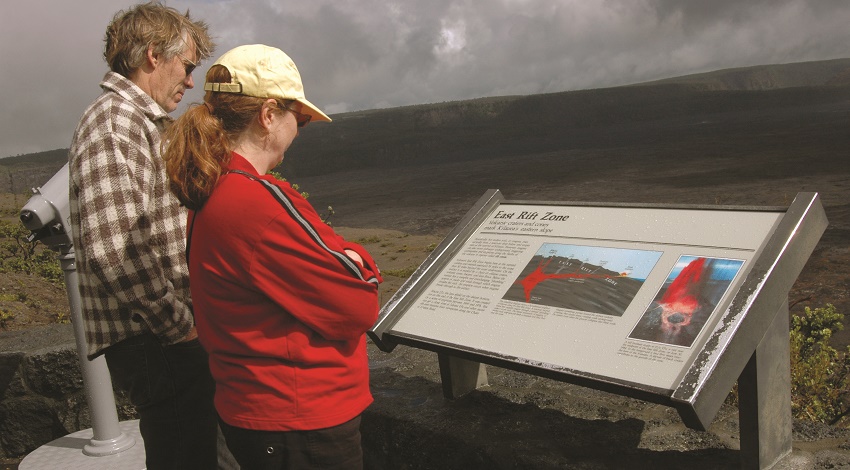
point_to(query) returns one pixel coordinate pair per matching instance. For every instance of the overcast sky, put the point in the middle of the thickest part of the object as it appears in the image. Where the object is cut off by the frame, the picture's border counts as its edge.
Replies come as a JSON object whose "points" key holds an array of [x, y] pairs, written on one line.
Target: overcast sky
{"points": [[366, 54]]}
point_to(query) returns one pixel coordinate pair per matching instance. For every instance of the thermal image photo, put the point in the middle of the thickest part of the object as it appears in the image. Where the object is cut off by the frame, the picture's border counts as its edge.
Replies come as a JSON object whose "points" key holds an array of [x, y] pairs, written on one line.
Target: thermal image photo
{"points": [[687, 299], [586, 278]]}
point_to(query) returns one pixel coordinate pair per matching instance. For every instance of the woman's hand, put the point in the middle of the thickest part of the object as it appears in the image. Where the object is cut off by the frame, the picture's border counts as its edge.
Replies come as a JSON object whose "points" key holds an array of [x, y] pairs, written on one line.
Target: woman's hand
{"points": [[354, 256]]}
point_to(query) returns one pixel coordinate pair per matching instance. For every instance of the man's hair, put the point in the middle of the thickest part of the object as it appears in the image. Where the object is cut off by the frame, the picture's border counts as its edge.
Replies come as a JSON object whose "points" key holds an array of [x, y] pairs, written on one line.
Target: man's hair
{"points": [[152, 25]]}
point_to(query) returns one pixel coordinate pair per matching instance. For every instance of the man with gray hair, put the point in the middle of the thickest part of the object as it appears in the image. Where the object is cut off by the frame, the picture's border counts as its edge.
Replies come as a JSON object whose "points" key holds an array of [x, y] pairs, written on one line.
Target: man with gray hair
{"points": [[129, 236]]}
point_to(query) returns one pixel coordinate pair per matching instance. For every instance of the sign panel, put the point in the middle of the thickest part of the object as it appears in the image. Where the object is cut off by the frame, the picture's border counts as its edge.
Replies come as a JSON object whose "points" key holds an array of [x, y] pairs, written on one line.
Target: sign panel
{"points": [[629, 294]]}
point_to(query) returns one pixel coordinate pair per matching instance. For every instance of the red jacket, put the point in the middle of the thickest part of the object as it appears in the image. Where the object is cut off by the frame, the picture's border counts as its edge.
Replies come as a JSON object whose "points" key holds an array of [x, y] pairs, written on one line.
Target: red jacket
{"points": [[279, 307]]}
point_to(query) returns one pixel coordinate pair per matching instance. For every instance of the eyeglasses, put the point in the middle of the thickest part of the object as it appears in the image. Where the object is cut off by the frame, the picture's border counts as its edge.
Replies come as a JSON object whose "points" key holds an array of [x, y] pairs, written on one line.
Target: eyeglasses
{"points": [[301, 119], [188, 65]]}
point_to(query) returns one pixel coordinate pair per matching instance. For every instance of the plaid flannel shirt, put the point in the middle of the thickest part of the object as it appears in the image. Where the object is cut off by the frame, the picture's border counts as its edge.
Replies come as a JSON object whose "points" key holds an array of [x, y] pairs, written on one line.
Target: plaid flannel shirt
{"points": [[128, 229]]}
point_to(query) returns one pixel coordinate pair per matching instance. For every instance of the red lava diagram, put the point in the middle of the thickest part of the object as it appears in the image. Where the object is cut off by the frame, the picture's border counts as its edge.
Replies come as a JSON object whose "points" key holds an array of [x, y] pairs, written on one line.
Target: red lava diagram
{"points": [[687, 299], [591, 279]]}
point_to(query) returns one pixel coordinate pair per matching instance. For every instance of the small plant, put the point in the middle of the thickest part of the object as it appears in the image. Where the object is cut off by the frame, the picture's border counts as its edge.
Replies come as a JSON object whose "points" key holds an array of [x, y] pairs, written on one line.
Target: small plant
{"points": [[430, 248], [62, 318], [5, 317], [820, 375], [327, 217], [402, 273], [367, 240]]}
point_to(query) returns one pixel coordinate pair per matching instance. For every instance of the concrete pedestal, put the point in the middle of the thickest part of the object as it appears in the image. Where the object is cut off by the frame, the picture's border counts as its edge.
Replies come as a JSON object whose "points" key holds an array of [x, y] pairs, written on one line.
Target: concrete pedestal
{"points": [[67, 452]]}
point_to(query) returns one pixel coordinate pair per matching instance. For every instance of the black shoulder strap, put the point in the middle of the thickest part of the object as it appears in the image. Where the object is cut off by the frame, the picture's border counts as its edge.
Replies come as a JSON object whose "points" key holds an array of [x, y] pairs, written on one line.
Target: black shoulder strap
{"points": [[192, 215], [244, 173]]}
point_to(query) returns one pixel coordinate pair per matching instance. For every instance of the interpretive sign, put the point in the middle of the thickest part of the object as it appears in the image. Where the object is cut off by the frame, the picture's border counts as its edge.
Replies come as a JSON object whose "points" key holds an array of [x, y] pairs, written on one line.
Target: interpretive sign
{"points": [[641, 300]]}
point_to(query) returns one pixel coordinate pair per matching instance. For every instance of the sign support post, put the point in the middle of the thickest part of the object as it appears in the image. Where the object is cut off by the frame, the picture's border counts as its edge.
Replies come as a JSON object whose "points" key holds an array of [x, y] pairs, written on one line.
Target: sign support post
{"points": [[764, 398], [460, 376]]}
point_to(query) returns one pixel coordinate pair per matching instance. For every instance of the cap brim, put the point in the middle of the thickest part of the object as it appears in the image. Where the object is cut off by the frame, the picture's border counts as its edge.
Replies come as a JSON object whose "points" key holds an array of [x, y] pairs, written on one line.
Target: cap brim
{"points": [[311, 110]]}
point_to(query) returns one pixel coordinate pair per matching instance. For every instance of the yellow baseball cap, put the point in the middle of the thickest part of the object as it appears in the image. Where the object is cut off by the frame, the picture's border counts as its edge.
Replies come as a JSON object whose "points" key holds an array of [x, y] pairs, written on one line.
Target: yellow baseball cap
{"points": [[264, 72]]}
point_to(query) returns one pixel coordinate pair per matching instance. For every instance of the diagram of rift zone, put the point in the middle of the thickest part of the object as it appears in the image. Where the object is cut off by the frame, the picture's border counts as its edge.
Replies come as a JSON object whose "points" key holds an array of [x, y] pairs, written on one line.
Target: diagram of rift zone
{"points": [[570, 283]]}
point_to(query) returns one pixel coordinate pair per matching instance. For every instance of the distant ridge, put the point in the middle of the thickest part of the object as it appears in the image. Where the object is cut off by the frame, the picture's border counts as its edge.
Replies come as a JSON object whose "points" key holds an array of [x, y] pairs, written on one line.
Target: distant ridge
{"points": [[516, 125], [38, 158], [21, 173], [647, 114], [768, 77]]}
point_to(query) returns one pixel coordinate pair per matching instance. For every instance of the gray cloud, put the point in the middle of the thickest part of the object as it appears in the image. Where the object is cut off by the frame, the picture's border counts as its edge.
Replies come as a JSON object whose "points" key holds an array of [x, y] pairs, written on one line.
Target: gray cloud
{"points": [[365, 54]]}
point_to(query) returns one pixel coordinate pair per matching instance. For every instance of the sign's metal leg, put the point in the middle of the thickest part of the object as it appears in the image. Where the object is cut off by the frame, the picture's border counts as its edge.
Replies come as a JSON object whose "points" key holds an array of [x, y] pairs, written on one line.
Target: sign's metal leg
{"points": [[764, 398], [460, 376]]}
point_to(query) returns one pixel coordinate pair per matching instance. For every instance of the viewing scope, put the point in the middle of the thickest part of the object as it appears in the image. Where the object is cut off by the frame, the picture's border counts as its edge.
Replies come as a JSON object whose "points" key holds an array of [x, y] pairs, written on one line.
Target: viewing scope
{"points": [[47, 214]]}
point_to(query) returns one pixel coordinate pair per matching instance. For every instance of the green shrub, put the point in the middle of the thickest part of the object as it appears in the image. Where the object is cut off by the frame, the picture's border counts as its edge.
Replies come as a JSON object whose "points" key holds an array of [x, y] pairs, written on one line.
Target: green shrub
{"points": [[13, 241], [20, 255], [820, 375], [46, 264]]}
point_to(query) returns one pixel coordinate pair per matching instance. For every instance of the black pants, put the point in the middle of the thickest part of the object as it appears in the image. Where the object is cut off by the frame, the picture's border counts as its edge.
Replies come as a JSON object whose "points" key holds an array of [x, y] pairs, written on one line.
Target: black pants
{"points": [[172, 390], [334, 448]]}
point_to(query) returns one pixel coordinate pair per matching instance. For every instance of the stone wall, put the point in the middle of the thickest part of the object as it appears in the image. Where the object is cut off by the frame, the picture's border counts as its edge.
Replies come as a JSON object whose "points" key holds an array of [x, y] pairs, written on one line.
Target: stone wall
{"points": [[41, 389]]}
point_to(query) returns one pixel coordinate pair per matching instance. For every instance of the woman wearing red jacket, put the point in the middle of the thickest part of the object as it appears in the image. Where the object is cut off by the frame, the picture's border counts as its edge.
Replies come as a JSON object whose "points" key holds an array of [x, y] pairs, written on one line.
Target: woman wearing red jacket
{"points": [[281, 302]]}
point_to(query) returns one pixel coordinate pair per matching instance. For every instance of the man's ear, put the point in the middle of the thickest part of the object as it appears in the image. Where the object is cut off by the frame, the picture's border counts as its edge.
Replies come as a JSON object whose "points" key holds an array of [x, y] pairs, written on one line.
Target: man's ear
{"points": [[151, 58]]}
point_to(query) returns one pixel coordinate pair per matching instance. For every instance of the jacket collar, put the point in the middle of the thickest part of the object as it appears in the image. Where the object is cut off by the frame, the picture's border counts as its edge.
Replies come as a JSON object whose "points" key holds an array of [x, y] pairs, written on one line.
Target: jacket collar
{"points": [[238, 162], [131, 92]]}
